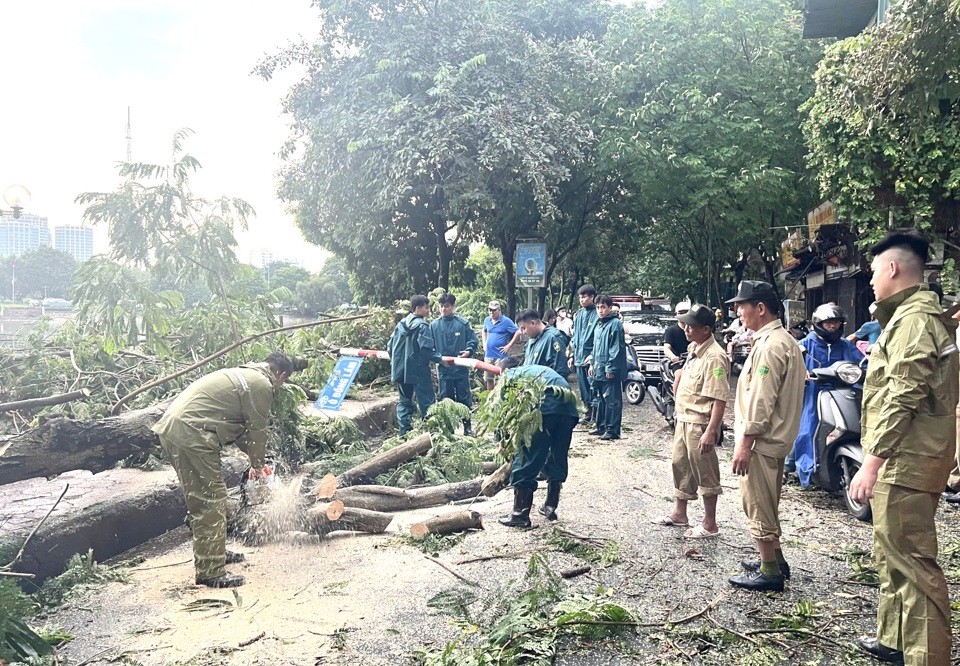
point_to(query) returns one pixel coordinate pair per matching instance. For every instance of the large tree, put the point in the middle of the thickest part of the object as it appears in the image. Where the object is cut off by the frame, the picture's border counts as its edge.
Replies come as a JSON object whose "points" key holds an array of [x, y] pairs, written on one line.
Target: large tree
{"points": [[42, 273], [884, 125], [704, 127], [424, 125]]}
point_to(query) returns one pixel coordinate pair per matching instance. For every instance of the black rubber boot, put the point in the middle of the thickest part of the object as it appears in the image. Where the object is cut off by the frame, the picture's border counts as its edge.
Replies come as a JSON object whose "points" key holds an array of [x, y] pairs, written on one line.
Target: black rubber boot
{"points": [[549, 508], [522, 501], [223, 580], [235, 558], [467, 428]]}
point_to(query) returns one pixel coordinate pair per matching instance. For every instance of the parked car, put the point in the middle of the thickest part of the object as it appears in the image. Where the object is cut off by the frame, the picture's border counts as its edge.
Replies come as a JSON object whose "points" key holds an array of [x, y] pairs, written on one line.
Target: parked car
{"points": [[644, 330]]}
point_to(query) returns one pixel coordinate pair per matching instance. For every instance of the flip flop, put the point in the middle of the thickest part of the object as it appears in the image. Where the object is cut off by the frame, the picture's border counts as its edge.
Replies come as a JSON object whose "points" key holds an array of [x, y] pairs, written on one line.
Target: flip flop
{"points": [[666, 521], [699, 532]]}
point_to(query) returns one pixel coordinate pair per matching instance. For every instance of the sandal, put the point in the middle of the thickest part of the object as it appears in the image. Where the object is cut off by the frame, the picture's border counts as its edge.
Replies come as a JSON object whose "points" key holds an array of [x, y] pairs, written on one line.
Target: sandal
{"points": [[699, 532], [667, 521]]}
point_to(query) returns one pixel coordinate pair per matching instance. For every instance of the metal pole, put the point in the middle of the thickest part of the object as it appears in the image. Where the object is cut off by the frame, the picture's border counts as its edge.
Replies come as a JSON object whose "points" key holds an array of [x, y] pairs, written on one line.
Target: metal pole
{"points": [[529, 298]]}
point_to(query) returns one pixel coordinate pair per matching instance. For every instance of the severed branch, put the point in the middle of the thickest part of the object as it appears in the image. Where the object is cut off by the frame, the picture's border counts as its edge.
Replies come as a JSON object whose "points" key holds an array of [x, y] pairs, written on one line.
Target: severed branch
{"points": [[250, 338], [33, 403]]}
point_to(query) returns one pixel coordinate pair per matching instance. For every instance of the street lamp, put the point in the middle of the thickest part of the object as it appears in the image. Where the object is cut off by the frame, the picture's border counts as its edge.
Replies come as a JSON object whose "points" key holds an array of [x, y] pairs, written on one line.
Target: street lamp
{"points": [[17, 197]]}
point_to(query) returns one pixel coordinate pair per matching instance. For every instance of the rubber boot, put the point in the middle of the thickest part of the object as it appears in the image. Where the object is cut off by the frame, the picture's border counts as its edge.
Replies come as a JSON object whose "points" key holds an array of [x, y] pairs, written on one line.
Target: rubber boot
{"points": [[588, 417], [522, 501], [549, 508], [467, 428]]}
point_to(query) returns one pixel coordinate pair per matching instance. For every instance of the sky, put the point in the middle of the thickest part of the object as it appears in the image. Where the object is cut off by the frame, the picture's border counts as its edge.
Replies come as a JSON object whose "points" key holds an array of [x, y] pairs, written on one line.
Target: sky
{"points": [[69, 70]]}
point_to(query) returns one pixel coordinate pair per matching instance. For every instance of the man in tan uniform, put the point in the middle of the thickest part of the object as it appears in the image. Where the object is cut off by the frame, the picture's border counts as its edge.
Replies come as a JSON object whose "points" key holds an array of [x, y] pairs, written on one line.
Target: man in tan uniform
{"points": [[767, 418], [909, 444], [230, 406], [703, 389]]}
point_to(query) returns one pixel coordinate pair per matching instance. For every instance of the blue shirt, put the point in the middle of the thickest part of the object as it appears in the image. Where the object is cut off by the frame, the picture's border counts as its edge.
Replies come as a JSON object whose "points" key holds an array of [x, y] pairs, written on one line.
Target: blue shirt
{"points": [[869, 332], [499, 333]]}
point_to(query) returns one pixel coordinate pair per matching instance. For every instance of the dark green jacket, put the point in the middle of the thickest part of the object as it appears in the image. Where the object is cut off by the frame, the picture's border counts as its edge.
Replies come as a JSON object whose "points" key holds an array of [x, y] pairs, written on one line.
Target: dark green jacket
{"points": [[549, 349], [609, 349], [910, 394], [582, 343], [552, 403], [230, 406], [452, 335], [411, 351]]}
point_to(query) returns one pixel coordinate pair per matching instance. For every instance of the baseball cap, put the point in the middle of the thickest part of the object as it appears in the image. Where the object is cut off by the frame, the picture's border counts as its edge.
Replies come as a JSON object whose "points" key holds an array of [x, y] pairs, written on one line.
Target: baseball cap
{"points": [[699, 315], [493, 305], [756, 290]]}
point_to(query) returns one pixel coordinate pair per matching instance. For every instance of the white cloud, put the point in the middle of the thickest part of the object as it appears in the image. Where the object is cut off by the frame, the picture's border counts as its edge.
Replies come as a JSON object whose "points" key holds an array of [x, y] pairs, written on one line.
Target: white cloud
{"points": [[70, 70]]}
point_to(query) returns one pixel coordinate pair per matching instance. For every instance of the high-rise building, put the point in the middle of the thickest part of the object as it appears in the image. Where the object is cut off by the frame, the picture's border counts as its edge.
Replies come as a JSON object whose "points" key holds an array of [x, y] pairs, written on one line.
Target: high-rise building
{"points": [[23, 234], [75, 241]]}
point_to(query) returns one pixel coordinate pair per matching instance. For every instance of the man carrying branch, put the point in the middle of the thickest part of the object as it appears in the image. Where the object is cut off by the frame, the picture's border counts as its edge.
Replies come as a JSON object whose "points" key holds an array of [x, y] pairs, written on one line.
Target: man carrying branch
{"points": [[230, 406]]}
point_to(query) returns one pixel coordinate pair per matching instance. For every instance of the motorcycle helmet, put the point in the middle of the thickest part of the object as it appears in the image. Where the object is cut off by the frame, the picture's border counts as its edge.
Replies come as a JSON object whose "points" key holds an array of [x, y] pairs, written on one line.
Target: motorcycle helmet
{"points": [[826, 312]]}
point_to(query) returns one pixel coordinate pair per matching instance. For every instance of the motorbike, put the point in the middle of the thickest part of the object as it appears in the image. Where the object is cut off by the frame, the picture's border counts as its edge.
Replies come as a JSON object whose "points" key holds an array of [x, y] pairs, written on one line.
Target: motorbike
{"points": [[634, 385], [662, 394], [837, 439]]}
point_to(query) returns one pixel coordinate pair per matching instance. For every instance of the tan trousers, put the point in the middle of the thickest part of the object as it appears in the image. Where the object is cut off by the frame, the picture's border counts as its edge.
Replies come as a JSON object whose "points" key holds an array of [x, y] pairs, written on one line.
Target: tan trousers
{"points": [[760, 494], [693, 472], [954, 481], [913, 614]]}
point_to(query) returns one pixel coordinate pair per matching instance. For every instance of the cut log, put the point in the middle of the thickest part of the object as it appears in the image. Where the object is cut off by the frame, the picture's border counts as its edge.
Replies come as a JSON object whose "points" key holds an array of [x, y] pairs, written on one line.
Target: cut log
{"points": [[322, 515], [574, 572], [497, 481], [386, 498], [367, 472], [34, 403], [61, 445], [323, 521], [326, 487], [448, 523]]}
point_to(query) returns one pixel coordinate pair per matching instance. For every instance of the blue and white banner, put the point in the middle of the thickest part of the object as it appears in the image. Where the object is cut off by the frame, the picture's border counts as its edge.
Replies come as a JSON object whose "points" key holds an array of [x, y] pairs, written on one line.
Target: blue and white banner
{"points": [[332, 395]]}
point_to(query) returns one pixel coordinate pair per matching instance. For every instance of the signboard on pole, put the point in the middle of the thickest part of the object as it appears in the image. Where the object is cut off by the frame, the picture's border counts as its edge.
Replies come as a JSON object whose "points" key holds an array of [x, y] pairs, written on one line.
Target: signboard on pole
{"points": [[532, 265], [339, 382]]}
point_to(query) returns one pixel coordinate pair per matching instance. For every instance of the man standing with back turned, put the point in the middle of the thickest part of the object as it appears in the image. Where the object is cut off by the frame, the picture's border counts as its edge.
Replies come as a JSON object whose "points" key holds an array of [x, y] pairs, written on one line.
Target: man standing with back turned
{"points": [[412, 349], [766, 421], [908, 436]]}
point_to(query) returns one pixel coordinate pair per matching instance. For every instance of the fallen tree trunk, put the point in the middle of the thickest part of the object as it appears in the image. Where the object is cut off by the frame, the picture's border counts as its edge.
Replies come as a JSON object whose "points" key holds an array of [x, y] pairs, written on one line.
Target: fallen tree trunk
{"points": [[367, 472], [48, 401], [325, 518], [387, 498], [497, 480], [61, 445], [448, 523]]}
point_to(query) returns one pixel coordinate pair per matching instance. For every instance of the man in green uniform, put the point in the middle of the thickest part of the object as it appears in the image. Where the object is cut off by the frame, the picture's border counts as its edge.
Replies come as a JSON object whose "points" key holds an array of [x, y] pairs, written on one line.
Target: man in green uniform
{"points": [[584, 322], [703, 388], [412, 349], [766, 421], [230, 406], [454, 337], [608, 369], [548, 449], [908, 435], [547, 346]]}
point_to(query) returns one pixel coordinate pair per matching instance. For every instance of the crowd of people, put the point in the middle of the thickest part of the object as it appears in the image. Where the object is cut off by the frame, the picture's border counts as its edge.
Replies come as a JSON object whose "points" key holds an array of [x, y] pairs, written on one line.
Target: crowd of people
{"points": [[909, 423]]}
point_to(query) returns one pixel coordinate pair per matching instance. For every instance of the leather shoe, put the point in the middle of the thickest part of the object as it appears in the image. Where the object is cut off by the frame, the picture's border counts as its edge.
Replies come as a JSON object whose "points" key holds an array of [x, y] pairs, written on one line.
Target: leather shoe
{"points": [[755, 580], [872, 646], [224, 580], [235, 558], [609, 436], [951, 497], [754, 565], [595, 432]]}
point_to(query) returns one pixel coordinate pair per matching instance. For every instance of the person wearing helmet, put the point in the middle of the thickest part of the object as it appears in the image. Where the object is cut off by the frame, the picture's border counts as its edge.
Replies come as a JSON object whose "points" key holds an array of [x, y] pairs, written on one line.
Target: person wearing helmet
{"points": [[674, 339], [825, 346]]}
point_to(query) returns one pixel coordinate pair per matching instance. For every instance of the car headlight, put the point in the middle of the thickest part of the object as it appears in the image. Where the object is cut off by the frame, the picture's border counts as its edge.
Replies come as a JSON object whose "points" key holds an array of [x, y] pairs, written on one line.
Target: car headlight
{"points": [[850, 373]]}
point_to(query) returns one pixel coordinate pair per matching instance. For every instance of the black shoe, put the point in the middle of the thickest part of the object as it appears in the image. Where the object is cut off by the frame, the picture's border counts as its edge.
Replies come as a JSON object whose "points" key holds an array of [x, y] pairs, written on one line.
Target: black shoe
{"points": [[522, 501], [951, 497], [754, 565], [235, 558], [609, 436], [755, 580], [467, 429], [549, 508], [875, 648], [595, 432], [224, 580]]}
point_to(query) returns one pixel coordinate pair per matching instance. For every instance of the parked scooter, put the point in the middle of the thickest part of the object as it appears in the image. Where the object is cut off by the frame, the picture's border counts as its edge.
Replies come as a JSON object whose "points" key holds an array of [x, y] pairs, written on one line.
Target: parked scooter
{"points": [[839, 454], [634, 385], [662, 394]]}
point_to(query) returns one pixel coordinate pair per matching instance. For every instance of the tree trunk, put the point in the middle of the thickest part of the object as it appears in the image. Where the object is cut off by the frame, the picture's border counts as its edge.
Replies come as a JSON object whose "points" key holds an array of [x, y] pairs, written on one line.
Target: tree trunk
{"points": [[33, 403], [386, 498], [61, 445], [497, 480], [448, 523], [365, 473], [351, 519]]}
